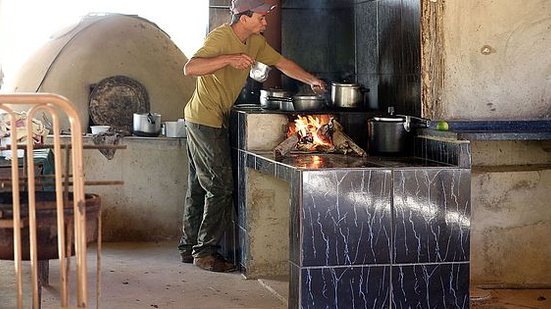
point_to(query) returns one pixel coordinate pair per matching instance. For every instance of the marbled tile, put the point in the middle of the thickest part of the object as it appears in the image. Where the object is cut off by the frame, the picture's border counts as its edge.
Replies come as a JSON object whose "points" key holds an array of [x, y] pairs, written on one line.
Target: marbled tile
{"points": [[234, 122], [432, 215], [411, 92], [243, 246], [371, 81], [465, 156], [367, 45], [311, 45], [345, 287], [293, 300], [441, 151], [250, 160], [346, 217], [230, 240], [451, 152], [284, 172], [344, 52], [295, 219], [242, 131], [241, 189], [325, 43], [431, 286], [389, 92], [390, 37], [411, 38], [419, 147], [265, 166]]}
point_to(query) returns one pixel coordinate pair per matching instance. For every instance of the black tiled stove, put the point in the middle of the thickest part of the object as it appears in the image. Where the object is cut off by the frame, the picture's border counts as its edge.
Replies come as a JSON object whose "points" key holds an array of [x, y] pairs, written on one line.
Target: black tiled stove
{"points": [[375, 232]]}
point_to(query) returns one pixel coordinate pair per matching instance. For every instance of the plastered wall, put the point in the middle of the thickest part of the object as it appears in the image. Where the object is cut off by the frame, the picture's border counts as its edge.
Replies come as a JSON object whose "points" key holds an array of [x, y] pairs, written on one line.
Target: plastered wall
{"points": [[489, 60], [149, 205], [496, 62]]}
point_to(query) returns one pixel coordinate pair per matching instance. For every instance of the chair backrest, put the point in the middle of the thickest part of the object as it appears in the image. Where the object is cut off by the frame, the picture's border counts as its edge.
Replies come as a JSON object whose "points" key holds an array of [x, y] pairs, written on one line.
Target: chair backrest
{"points": [[26, 183]]}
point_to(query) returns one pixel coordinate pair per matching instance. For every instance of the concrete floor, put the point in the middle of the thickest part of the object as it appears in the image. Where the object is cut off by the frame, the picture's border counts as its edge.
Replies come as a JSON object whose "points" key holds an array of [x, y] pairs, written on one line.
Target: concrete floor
{"points": [[150, 275]]}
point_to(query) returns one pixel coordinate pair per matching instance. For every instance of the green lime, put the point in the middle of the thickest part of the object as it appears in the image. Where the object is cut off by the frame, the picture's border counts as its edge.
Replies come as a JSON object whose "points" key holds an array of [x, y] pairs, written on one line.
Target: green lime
{"points": [[442, 126]]}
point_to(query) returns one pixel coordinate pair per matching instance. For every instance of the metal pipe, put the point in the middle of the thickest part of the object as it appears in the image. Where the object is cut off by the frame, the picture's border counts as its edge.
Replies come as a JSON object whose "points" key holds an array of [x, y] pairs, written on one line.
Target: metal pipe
{"points": [[49, 102], [64, 292], [6, 181], [32, 210], [17, 254]]}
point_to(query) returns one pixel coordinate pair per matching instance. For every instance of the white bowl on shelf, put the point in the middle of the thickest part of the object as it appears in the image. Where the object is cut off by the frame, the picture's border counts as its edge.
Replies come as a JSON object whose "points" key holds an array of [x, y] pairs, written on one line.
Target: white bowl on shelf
{"points": [[99, 129]]}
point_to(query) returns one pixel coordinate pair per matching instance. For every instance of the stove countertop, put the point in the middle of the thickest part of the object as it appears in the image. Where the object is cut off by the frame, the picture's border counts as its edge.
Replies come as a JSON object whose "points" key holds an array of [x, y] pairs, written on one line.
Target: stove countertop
{"points": [[318, 161], [257, 109], [496, 130]]}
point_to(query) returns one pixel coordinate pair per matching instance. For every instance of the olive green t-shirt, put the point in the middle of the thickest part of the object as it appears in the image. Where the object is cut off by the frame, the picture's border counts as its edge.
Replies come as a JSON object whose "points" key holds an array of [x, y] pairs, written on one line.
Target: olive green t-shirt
{"points": [[215, 93]]}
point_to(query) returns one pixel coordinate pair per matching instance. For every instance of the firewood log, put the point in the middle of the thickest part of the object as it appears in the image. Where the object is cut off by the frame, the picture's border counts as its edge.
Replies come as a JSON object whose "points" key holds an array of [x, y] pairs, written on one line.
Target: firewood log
{"points": [[281, 150], [343, 143]]}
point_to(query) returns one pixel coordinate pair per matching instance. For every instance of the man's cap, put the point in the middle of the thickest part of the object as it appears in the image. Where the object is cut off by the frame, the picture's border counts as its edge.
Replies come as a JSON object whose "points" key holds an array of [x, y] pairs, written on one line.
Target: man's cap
{"points": [[256, 6]]}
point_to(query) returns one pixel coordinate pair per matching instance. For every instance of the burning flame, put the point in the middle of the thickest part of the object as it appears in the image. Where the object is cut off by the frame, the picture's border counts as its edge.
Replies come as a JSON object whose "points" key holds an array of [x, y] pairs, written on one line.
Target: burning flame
{"points": [[312, 130]]}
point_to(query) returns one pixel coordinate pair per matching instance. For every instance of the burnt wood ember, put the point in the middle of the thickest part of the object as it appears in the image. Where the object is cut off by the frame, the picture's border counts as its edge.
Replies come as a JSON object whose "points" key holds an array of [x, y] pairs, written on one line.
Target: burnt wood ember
{"points": [[286, 146], [343, 143], [332, 132]]}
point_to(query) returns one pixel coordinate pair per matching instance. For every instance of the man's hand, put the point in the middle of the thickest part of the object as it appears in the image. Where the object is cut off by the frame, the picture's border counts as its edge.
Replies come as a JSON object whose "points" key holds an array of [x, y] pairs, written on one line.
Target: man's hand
{"points": [[318, 86], [240, 61], [293, 70]]}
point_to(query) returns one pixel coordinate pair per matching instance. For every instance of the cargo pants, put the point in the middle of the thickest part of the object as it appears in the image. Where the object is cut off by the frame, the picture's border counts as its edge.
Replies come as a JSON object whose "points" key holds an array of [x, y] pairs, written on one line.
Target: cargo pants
{"points": [[208, 201]]}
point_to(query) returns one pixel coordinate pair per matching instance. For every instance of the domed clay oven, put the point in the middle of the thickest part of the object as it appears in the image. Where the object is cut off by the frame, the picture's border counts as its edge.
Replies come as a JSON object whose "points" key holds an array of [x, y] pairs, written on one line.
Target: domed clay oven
{"points": [[101, 46]]}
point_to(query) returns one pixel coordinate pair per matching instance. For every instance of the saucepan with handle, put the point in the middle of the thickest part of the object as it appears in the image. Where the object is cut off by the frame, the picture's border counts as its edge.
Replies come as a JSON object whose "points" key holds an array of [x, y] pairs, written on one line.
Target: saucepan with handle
{"points": [[393, 134]]}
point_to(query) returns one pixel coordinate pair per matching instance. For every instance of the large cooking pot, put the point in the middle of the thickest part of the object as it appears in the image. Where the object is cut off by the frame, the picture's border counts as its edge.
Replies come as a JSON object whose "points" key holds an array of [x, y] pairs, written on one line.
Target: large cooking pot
{"points": [[392, 134], [347, 95], [301, 102], [147, 124], [269, 97]]}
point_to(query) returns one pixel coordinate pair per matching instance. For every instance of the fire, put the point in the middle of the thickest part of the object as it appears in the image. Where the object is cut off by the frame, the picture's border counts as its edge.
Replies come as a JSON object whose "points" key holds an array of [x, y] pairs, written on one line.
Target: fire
{"points": [[313, 131]]}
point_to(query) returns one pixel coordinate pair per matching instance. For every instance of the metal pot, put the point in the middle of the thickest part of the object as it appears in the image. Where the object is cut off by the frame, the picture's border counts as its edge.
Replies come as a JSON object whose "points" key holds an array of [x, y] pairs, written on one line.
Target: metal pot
{"points": [[392, 135], [147, 124], [286, 106], [346, 95], [269, 97], [303, 102]]}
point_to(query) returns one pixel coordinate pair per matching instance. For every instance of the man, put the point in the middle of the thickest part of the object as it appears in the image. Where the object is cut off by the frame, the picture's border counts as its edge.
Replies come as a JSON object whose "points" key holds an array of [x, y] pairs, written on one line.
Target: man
{"points": [[222, 66]]}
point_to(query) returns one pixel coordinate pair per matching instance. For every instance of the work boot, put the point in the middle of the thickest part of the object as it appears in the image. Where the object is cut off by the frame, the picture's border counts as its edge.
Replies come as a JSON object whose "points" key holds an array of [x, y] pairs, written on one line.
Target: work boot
{"points": [[214, 262], [186, 258]]}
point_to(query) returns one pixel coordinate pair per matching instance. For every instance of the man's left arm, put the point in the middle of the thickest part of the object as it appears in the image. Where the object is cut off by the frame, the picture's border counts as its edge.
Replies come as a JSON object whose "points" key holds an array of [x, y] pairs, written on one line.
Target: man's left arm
{"points": [[293, 70]]}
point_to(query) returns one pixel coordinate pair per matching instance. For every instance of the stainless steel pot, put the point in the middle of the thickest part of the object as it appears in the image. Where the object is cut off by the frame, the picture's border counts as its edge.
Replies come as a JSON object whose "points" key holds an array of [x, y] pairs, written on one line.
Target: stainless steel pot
{"points": [[147, 124], [346, 95], [269, 97], [308, 102], [392, 135], [303, 102]]}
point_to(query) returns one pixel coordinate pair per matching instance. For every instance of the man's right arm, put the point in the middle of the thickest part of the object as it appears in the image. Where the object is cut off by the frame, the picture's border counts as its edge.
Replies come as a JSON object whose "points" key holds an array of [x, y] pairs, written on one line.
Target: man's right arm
{"points": [[199, 66]]}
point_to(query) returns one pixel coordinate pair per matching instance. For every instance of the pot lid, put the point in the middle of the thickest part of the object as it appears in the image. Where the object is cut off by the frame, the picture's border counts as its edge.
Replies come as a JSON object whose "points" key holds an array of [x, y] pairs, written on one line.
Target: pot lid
{"points": [[388, 119], [275, 92], [346, 85], [308, 97]]}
